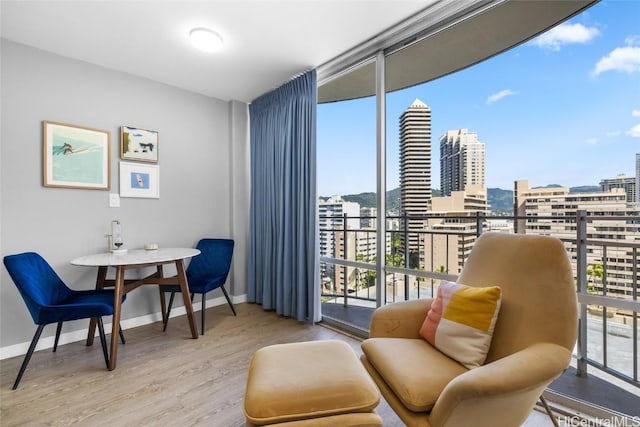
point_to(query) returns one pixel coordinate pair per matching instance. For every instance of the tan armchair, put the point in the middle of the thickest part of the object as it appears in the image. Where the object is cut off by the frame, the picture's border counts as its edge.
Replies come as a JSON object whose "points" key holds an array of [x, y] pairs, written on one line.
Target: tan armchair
{"points": [[532, 342]]}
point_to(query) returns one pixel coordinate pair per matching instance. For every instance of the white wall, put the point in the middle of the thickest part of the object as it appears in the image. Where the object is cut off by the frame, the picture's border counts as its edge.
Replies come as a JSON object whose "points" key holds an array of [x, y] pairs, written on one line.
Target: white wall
{"points": [[203, 148]]}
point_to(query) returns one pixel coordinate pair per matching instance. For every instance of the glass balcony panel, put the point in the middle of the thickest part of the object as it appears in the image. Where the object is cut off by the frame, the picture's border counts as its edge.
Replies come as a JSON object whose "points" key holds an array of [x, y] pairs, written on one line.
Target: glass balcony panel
{"points": [[395, 287], [619, 341]]}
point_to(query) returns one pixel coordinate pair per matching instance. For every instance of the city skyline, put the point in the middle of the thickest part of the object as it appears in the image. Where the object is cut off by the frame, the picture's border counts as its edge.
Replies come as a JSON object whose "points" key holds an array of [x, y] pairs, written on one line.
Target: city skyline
{"points": [[573, 91]]}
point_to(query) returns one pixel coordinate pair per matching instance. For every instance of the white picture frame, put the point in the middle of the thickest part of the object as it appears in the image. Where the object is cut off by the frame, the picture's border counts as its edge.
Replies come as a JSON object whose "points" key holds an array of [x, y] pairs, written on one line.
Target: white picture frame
{"points": [[139, 180]]}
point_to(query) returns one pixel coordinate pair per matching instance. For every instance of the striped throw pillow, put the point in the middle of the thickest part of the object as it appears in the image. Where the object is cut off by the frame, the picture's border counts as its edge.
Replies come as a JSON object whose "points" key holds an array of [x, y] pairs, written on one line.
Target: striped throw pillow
{"points": [[461, 320]]}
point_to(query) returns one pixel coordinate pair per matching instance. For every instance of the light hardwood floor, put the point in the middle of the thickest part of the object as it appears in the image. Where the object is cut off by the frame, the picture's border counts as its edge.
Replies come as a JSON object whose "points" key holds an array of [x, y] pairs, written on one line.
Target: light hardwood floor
{"points": [[162, 379]]}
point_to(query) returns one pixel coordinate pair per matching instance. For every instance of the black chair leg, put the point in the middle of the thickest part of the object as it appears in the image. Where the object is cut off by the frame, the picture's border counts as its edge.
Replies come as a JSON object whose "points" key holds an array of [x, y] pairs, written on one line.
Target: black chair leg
{"points": [[59, 329], [25, 362], [166, 318], [121, 335], [103, 340], [204, 301], [226, 295], [55, 343]]}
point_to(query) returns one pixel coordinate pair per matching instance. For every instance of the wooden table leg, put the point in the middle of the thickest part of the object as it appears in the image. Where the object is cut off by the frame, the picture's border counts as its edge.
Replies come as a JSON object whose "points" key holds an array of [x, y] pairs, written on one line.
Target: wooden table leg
{"points": [[163, 303], [117, 306], [102, 275], [184, 287]]}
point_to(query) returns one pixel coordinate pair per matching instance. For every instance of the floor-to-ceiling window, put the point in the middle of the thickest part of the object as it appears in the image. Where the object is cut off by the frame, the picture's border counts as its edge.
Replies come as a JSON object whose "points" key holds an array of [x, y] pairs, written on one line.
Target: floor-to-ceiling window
{"points": [[532, 131], [347, 205]]}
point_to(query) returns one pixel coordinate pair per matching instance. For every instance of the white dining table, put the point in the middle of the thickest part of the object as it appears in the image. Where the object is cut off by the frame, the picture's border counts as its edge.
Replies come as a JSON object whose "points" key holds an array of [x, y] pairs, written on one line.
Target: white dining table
{"points": [[137, 259]]}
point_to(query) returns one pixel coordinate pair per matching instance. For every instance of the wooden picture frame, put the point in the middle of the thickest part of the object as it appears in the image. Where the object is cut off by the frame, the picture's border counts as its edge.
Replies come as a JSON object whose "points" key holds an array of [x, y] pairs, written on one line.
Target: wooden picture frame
{"points": [[138, 144], [139, 180], [75, 156]]}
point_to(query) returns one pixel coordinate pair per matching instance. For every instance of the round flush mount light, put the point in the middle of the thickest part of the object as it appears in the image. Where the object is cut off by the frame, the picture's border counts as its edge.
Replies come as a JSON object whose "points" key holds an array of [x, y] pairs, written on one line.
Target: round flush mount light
{"points": [[205, 39]]}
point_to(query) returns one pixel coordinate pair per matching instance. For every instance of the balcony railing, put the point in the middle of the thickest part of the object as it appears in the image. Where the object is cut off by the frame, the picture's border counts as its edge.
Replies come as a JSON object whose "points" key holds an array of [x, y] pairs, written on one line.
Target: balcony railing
{"points": [[604, 251]]}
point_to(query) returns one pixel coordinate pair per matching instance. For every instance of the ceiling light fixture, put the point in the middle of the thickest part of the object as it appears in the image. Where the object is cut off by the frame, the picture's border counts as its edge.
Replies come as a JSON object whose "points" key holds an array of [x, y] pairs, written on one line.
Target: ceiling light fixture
{"points": [[206, 39]]}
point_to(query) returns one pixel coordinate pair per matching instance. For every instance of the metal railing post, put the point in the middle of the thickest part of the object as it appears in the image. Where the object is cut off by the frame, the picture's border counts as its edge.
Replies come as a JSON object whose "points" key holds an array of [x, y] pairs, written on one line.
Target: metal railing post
{"points": [[345, 282], [634, 295], [581, 272], [406, 257]]}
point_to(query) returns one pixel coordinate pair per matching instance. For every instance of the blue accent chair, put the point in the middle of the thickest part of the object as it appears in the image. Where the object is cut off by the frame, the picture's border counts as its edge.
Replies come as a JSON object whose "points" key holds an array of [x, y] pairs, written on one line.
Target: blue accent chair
{"points": [[206, 272], [49, 300]]}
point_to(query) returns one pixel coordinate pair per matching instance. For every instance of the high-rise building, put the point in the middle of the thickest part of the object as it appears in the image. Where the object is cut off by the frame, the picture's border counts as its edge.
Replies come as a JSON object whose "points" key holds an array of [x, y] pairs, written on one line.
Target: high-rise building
{"points": [[415, 169], [355, 246], [628, 184], [331, 226], [637, 177], [453, 229], [331, 220], [368, 217], [540, 209], [462, 161]]}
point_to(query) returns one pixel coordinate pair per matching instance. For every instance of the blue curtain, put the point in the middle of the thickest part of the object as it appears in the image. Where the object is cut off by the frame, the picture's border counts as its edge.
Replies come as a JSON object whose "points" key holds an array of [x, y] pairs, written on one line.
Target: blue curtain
{"points": [[283, 271]]}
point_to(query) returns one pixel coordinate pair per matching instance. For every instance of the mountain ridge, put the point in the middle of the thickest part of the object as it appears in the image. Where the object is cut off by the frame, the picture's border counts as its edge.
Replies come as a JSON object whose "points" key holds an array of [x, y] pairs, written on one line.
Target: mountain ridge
{"points": [[500, 200]]}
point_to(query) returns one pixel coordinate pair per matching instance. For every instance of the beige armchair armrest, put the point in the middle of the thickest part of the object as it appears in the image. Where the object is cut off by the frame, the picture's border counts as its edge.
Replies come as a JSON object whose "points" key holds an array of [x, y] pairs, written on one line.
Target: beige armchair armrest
{"points": [[502, 392], [399, 320]]}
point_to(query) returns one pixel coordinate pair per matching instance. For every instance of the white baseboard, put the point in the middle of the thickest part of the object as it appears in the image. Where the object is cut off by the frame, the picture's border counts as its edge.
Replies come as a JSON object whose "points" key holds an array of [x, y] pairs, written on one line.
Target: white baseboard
{"points": [[81, 334]]}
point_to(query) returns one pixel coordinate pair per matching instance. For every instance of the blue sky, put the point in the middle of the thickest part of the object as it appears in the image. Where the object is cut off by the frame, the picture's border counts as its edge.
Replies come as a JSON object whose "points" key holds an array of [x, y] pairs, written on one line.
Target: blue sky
{"points": [[563, 108]]}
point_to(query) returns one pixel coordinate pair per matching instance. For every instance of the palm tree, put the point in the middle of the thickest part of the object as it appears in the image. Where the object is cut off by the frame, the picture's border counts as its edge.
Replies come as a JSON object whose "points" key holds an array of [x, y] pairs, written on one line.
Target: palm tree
{"points": [[594, 272]]}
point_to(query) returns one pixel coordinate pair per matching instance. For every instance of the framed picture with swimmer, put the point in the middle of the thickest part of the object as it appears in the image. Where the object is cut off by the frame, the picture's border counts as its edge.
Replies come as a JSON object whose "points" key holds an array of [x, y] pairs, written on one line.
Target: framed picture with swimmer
{"points": [[139, 180], [138, 144], [75, 156]]}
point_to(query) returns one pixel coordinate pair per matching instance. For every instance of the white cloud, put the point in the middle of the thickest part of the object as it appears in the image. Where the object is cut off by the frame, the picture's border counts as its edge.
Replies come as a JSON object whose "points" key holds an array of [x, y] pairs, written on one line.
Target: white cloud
{"points": [[634, 131], [498, 96], [635, 113], [564, 34], [632, 40], [592, 141], [626, 59]]}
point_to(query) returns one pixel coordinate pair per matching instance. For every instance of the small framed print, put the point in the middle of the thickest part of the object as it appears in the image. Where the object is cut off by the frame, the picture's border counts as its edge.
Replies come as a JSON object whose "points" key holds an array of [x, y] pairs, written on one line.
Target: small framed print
{"points": [[139, 180], [75, 156], [138, 144]]}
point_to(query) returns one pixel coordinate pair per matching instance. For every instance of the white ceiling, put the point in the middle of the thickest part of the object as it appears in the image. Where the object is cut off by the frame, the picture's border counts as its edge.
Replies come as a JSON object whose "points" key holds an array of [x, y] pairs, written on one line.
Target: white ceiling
{"points": [[266, 41]]}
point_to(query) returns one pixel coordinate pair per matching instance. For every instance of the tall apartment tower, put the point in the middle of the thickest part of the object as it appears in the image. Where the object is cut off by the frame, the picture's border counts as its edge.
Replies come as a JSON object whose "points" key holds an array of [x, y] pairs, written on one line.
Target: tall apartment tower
{"points": [[462, 161], [637, 177], [331, 217], [415, 168], [627, 183]]}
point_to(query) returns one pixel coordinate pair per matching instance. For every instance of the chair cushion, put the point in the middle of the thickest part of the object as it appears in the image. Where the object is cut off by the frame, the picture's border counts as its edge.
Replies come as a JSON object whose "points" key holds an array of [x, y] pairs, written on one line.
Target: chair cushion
{"points": [[461, 321], [79, 305], [288, 382], [415, 371]]}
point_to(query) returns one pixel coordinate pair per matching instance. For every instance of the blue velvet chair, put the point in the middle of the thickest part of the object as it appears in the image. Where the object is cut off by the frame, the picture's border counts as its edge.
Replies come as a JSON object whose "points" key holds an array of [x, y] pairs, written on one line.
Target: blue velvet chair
{"points": [[206, 272], [49, 300]]}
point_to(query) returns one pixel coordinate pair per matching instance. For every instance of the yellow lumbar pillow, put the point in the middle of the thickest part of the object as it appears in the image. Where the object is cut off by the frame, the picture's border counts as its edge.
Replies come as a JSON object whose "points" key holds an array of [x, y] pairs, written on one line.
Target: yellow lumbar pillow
{"points": [[461, 320]]}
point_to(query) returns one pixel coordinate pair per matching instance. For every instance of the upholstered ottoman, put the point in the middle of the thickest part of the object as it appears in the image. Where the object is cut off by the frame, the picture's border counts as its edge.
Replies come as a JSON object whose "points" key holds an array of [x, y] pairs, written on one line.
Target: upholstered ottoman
{"points": [[319, 383]]}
